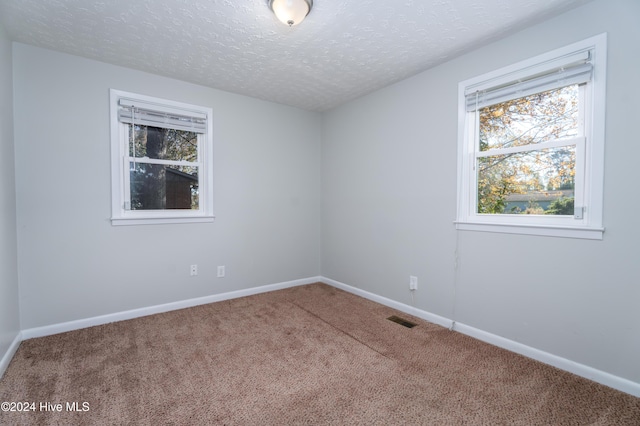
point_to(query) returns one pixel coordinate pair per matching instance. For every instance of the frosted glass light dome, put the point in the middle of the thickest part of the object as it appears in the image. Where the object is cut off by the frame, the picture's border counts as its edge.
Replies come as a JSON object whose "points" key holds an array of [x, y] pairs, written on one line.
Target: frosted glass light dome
{"points": [[291, 12]]}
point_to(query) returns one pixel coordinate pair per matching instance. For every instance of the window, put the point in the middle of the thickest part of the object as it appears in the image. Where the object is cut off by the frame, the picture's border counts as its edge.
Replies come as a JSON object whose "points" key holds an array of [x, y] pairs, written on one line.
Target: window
{"points": [[531, 145], [160, 161]]}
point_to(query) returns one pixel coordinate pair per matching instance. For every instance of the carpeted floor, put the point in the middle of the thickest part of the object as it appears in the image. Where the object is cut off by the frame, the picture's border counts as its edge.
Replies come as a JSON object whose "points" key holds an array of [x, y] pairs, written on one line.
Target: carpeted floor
{"points": [[306, 355]]}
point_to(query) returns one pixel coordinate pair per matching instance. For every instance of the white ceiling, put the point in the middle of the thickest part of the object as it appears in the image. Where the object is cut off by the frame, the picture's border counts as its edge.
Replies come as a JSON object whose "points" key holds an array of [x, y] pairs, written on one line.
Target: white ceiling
{"points": [[344, 49]]}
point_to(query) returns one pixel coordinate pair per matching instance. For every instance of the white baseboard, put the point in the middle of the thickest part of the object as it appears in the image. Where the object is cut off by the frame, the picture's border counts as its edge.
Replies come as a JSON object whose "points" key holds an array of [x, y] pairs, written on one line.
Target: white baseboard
{"points": [[428, 316], [157, 309], [582, 370], [6, 358], [578, 369]]}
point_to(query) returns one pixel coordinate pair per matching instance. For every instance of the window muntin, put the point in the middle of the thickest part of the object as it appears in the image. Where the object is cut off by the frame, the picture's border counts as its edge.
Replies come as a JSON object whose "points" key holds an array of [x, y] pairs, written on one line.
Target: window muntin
{"points": [[161, 155], [565, 157]]}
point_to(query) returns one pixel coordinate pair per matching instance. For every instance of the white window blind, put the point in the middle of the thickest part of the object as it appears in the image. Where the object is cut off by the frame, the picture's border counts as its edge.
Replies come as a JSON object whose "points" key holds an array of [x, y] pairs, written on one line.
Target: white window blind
{"points": [[573, 69], [149, 114]]}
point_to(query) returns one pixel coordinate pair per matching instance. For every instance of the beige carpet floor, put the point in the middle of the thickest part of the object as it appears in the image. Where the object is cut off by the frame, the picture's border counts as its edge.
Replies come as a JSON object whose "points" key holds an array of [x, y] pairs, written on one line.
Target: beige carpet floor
{"points": [[307, 355]]}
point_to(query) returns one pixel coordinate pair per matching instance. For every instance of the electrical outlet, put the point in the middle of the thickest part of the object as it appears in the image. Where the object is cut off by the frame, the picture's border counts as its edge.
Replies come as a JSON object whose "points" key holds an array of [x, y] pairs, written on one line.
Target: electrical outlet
{"points": [[194, 270], [221, 272], [413, 282]]}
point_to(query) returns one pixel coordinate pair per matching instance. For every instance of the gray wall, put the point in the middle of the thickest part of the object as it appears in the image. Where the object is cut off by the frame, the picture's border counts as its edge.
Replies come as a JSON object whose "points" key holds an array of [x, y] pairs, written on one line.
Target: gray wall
{"points": [[389, 202], [74, 264], [9, 315], [364, 194]]}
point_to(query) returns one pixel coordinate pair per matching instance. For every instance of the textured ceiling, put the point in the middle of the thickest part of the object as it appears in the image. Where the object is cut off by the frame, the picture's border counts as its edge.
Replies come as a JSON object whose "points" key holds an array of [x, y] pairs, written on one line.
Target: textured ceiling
{"points": [[344, 49]]}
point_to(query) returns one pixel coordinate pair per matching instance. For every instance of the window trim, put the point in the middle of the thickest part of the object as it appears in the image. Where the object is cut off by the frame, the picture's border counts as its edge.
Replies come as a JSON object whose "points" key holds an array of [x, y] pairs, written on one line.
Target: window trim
{"points": [[591, 225], [119, 153]]}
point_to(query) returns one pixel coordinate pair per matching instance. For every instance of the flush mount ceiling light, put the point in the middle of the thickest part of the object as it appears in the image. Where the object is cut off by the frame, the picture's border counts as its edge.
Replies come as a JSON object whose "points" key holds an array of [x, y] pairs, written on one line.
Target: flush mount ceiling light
{"points": [[291, 12]]}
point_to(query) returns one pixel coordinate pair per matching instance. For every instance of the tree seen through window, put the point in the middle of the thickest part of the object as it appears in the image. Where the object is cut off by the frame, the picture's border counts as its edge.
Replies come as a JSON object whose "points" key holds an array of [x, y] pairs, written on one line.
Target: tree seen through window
{"points": [[163, 186], [515, 175]]}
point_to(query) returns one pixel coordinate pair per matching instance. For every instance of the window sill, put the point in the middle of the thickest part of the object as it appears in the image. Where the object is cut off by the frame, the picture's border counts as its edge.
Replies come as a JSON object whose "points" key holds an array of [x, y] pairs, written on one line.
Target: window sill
{"points": [[540, 230], [160, 220]]}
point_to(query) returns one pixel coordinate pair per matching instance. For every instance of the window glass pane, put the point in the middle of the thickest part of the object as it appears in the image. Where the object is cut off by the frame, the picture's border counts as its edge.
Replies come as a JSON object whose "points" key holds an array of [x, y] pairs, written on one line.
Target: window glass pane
{"points": [[160, 187], [532, 182], [163, 144], [530, 120]]}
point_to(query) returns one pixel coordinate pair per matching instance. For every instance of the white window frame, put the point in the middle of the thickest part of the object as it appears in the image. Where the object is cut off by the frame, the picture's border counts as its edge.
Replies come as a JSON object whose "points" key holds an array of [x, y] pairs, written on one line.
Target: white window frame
{"points": [[587, 223], [120, 185]]}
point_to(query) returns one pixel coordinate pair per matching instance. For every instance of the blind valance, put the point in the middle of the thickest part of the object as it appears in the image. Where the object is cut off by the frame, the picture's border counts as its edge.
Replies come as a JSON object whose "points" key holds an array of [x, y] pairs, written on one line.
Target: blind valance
{"points": [[149, 114], [562, 72]]}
